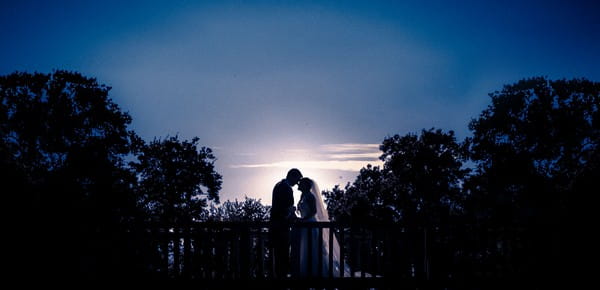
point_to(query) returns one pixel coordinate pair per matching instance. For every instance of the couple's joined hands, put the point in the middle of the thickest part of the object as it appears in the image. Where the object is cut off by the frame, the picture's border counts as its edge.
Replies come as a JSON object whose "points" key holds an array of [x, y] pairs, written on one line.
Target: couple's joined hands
{"points": [[293, 216]]}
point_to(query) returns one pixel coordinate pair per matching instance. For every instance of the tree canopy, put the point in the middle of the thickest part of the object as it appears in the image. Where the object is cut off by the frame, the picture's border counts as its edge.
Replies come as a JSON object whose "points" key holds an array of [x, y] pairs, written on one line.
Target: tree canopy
{"points": [[532, 145], [535, 155], [66, 139], [531, 164], [176, 178], [63, 142], [419, 183], [249, 209]]}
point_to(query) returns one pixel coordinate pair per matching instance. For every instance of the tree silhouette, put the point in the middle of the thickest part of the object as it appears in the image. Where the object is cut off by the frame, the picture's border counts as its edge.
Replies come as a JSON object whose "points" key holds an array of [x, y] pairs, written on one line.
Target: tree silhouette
{"points": [[64, 141], [175, 181], [426, 173], [535, 146], [79, 207], [366, 199], [419, 187], [248, 210], [419, 184], [176, 178]]}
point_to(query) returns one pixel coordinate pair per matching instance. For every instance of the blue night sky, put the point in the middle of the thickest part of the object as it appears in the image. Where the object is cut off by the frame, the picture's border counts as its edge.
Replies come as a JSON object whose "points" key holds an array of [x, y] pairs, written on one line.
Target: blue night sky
{"points": [[271, 85]]}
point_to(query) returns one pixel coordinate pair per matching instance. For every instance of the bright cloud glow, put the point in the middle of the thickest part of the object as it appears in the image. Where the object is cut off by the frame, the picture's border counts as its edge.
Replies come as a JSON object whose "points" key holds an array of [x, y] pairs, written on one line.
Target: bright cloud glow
{"points": [[352, 152], [303, 83], [350, 147], [332, 164], [346, 157], [328, 165], [369, 156]]}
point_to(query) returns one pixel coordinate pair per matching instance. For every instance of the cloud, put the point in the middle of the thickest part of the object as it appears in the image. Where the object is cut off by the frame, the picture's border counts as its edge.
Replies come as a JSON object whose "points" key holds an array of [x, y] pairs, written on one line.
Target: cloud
{"points": [[351, 151], [350, 147], [356, 156], [347, 165], [345, 157]]}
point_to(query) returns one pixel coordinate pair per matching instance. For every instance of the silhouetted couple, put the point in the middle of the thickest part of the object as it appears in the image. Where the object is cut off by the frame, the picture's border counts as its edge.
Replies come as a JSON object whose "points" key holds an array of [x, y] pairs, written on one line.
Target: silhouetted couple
{"points": [[310, 208]]}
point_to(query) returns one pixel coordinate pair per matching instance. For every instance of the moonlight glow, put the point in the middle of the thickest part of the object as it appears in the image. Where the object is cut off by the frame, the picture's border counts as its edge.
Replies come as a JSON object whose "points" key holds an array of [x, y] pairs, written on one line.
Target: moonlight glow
{"points": [[271, 85]]}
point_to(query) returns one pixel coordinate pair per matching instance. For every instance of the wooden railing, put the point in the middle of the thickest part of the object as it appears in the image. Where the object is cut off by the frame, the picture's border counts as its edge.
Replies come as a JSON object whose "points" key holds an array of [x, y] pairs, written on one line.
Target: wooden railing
{"points": [[377, 255], [241, 251]]}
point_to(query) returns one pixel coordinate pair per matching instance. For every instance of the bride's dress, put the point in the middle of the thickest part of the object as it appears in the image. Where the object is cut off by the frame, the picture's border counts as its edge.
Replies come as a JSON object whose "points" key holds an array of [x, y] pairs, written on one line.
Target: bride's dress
{"points": [[307, 249]]}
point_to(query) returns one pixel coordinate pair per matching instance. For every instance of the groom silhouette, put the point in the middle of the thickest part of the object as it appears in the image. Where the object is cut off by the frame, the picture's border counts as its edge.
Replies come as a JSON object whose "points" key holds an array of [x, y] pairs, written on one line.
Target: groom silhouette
{"points": [[282, 212]]}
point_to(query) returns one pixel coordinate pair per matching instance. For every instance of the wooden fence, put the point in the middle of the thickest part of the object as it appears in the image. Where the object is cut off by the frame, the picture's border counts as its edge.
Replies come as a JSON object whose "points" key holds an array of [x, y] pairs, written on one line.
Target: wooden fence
{"points": [[377, 255]]}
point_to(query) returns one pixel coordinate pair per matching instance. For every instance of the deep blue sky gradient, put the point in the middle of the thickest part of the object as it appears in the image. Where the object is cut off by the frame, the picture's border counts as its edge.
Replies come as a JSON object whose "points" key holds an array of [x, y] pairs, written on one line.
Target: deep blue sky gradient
{"points": [[266, 82]]}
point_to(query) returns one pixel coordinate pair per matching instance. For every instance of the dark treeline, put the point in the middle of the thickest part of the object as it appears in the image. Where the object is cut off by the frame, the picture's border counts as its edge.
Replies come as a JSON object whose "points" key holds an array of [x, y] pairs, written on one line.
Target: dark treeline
{"points": [[507, 202], [78, 179], [63, 153]]}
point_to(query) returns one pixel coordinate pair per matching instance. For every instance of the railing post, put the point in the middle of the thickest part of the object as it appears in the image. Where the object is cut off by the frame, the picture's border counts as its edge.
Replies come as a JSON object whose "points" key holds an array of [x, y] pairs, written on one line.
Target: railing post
{"points": [[176, 252], [309, 250], [164, 241], [260, 257], [425, 257], [363, 252], [352, 257], [236, 251], [221, 256], [342, 252], [331, 229], [207, 253], [387, 255], [320, 252], [186, 252], [374, 255], [245, 251]]}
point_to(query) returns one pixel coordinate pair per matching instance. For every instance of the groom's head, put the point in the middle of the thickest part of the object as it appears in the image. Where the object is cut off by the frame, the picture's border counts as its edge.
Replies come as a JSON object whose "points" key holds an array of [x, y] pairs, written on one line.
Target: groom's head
{"points": [[293, 176]]}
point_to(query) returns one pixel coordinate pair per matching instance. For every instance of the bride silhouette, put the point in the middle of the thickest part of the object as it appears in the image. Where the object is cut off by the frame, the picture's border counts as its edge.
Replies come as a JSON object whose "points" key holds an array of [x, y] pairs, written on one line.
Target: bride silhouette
{"points": [[311, 208]]}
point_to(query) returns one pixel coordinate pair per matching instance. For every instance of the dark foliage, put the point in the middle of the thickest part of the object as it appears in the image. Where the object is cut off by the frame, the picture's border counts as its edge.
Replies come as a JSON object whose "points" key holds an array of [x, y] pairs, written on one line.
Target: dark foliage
{"points": [[175, 180], [81, 211], [63, 144], [532, 145], [535, 147], [251, 210], [535, 152], [419, 184]]}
